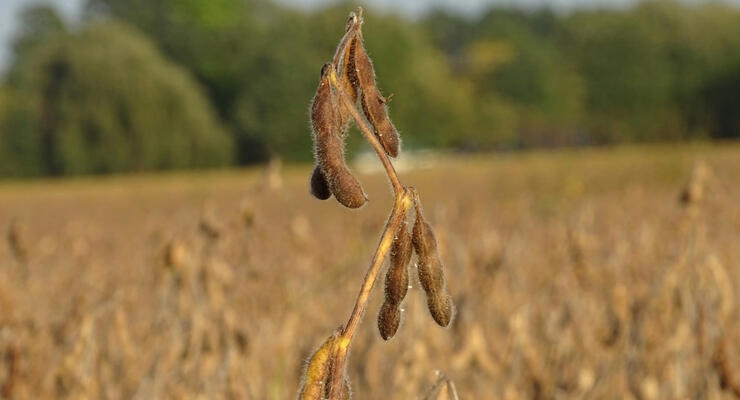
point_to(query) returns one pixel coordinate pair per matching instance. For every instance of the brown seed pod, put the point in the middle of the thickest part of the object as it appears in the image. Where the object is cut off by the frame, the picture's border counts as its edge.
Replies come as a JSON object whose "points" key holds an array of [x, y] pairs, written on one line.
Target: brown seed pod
{"points": [[319, 185], [431, 272], [342, 55], [362, 76], [397, 277], [396, 283], [389, 317], [329, 144], [441, 308], [340, 63]]}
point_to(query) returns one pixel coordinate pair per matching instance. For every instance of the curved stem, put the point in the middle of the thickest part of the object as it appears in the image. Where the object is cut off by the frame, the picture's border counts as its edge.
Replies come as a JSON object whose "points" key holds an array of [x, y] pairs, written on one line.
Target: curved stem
{"points": [[367, 132], [403, 200], [401, 205]]}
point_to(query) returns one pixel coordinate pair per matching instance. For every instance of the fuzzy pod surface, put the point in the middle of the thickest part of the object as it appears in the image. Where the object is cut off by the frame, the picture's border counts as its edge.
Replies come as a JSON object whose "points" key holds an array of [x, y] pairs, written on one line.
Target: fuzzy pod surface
{"points": [[326, 121], [396, 282], [431, 271], [397, 277], [362, 77], [341, 60], [389, 318]]}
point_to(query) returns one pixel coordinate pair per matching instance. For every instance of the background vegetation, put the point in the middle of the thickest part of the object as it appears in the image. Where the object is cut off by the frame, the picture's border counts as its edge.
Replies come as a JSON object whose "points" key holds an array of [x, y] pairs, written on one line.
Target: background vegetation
{"points": [[575, 275], [143, 85], [590, 273]]}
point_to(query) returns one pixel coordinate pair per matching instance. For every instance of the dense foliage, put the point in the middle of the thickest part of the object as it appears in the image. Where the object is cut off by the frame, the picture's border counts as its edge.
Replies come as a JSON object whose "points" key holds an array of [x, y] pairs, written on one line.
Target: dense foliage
{"points": [[104, 100], [118, 94]]}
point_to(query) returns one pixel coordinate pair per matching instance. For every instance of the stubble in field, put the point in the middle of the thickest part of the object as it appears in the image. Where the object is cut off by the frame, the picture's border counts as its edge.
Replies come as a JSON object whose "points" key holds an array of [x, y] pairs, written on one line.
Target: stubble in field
{"points": [[595, 274]]}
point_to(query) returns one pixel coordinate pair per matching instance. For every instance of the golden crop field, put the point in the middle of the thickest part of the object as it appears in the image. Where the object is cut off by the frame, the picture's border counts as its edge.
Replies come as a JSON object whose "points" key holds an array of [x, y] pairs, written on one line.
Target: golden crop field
{"points": [[604, 274]]}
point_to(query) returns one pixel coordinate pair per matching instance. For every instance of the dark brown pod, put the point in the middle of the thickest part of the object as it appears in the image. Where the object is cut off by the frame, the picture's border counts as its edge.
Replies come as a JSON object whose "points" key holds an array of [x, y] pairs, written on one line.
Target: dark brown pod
{"points": [[341, 60], [441, 308], [319, 185], [389, 317], [397, 277], [340, 63], [327, 127], [396, 283], [431, 272], [362, 76], [373, 105]]}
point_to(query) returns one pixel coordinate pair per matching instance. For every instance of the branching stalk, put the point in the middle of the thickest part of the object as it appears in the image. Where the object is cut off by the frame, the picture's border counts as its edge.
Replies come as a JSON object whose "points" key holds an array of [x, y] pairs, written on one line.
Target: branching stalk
{"points": [[401, 205], [333, 177]]}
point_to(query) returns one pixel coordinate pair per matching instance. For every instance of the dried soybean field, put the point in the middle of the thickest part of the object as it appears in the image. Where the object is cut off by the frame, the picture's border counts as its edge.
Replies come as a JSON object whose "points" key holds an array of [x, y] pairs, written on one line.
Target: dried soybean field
{"points": [[605, 274]]}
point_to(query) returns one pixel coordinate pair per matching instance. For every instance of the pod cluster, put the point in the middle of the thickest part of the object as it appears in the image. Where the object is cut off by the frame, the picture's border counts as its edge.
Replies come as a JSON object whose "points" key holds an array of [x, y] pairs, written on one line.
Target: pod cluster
{"points": [[422, 241], [331, 118]]}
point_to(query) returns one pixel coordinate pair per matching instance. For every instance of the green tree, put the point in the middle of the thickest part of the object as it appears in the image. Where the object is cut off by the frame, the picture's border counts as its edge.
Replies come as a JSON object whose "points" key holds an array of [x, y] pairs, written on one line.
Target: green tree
{"points": [[217, 41], [260, 63], [105, 100]]}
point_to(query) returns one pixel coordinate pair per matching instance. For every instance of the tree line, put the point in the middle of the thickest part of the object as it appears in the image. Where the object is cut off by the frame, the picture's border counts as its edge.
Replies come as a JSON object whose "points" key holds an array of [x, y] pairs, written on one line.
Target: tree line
{"points": [[164, 84]]}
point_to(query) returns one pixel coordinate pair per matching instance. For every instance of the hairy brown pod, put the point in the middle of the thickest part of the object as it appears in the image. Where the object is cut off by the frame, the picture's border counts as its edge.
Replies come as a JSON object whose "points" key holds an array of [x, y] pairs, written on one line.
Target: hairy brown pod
{"points": [[319, 185], [389, 317], [362, 76], [396, 283], [397, 277], [341, 64], [342, 56], [327, 125], [431, 271]]}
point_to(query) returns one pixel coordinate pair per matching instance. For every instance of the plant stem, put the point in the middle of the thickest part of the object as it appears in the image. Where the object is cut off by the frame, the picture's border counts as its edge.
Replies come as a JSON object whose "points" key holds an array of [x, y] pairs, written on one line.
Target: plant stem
{"points": [[367, 132], [401, 205]]}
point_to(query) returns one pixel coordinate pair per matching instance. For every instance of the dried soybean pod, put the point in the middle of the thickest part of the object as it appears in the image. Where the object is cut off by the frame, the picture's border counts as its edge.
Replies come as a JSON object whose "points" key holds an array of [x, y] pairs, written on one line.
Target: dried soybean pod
{"points": [[373, 105], [389, 317], [362, 76], [440, 307], [329, 144], [340, 65], [397, 277], [319, 185], [318, 371], [396, 283], [431, 273], [342, 55]]}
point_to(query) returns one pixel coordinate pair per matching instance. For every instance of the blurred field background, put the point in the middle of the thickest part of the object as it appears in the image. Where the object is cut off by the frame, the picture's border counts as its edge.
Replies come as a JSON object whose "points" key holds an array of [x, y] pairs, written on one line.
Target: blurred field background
{"points": [[579, 274], [579, 165]]}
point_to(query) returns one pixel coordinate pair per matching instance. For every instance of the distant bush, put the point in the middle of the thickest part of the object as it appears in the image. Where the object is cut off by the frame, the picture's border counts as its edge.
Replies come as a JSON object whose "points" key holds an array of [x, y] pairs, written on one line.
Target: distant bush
{"points": [[105, 100]]}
